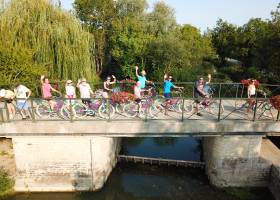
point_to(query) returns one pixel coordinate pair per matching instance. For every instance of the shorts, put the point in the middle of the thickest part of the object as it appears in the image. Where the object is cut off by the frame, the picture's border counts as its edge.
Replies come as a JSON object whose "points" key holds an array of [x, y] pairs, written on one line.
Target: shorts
{"points": [[22, 105], [8, 100], [167, 95], [198, 97], [48, 98], [137, 100], [86, 101]]}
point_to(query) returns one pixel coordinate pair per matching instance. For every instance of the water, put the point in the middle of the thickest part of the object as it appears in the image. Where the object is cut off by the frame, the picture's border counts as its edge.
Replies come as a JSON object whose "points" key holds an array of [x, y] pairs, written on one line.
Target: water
{"points": [[145, 182]]}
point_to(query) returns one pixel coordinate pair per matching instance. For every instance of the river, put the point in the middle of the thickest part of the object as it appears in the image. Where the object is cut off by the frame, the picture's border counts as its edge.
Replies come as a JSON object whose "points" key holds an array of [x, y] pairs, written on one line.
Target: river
{"points": [[145, 182]]}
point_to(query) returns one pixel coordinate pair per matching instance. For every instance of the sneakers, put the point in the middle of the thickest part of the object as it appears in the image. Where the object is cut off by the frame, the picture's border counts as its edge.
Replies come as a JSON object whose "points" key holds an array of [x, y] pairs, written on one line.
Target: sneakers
{"points": [[199, 114]]}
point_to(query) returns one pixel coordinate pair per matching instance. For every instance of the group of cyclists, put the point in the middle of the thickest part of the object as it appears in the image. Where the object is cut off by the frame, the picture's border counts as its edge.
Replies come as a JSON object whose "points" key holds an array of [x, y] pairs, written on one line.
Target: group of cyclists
{"points": [[22, 93]]}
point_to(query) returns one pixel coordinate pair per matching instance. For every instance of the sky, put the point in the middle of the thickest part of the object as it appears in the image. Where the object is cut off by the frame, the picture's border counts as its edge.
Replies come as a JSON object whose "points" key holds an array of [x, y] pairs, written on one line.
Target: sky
{"points": [[205, 13]]}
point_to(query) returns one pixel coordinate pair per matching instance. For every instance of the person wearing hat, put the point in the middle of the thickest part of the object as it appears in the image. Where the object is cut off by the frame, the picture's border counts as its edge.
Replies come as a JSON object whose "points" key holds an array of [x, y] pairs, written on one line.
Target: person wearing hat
{"points": [[8, 96], [70, 91], [85, 90]]}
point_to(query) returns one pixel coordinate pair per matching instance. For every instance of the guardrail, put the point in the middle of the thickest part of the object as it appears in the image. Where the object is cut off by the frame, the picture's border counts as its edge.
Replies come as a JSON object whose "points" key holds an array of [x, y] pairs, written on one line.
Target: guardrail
{"points": [[225, 102], [157, 108]]}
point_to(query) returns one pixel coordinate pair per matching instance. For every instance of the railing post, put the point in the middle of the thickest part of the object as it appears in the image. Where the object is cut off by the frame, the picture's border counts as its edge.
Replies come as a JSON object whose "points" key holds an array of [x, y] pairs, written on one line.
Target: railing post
{"points": [[183, 107], [2, 115], [108, 109], [242, 91], [237, 90], [71, 111], [255, 110], [220, 102], [146, 111], [32, 110], [7, 112]]}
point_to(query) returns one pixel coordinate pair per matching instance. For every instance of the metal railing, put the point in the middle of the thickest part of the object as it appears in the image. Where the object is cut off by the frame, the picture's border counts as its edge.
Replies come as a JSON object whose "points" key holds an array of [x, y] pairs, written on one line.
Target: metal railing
{"points": [[226, 102]]}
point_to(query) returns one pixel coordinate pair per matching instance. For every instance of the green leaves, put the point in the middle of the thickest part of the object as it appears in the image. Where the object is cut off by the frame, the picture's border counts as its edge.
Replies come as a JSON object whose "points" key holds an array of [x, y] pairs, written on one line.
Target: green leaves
{"points": [[53, 37]]}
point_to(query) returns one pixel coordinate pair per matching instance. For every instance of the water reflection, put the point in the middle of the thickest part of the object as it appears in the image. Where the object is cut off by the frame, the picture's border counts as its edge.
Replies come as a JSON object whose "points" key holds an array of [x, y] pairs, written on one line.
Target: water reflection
{"points": [[172, 148], [144, 182]]}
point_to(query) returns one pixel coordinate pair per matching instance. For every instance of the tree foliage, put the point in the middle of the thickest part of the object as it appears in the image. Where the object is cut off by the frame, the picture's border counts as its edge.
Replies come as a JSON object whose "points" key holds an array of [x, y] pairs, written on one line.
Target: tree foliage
{"points": [[152, 39], [52, 37], [256, 44]]}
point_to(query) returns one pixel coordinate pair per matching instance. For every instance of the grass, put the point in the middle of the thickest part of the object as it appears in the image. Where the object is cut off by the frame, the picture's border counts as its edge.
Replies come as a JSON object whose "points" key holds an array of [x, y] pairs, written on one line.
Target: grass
{"points": [[6, 184]]}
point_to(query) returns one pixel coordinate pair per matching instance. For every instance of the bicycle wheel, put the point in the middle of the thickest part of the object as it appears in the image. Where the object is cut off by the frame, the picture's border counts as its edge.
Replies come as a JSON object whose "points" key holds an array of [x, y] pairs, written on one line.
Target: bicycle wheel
{"points": [[155, 110], [106, 112], [65, 113], [80, 110], [214, 108], [131, 110], [240, 104], [119, 108], [43, 110], [187, 106]]}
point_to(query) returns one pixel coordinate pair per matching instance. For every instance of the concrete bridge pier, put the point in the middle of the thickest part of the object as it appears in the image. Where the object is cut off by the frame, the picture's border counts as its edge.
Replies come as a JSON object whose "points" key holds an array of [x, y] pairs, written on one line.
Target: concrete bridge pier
{"points": [[63, 163], [235, 161]]}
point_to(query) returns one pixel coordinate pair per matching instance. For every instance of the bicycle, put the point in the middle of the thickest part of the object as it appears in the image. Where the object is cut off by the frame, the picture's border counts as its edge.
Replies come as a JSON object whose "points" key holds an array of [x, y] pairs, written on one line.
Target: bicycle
{"points": [[43, 109], [141, 109], [174, 104], [208, 104], [262, 106]]}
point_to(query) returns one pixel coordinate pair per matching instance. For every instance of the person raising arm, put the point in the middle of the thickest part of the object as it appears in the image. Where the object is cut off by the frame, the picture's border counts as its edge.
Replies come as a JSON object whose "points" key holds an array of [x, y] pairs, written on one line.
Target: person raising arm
{"points": [[46, 91], [106, 86], [142, 78]]}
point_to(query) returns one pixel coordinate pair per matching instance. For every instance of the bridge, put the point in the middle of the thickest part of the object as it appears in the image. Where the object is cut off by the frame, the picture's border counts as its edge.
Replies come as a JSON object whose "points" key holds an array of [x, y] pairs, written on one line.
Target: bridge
{"points": [[75, 149]]}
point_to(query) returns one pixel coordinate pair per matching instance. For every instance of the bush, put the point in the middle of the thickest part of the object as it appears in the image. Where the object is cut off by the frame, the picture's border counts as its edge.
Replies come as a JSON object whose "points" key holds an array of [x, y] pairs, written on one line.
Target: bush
{"points": [[6, 183]]}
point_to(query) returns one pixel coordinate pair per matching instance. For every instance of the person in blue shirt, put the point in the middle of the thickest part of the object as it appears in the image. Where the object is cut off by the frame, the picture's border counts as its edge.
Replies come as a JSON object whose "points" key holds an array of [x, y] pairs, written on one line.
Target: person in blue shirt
{"points": [[142, 79], [168, 85]]}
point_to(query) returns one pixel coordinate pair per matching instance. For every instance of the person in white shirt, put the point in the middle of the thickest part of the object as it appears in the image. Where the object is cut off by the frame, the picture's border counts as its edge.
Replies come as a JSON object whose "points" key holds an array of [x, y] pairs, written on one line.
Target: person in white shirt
{"points": [[22, 94], [70, 91], [85, 91], [251, 92], [8, 96]]}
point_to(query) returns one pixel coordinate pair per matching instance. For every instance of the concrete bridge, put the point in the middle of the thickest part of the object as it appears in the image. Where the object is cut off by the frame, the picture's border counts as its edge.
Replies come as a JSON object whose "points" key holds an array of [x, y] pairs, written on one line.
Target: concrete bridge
{"points": [[78, 155]]}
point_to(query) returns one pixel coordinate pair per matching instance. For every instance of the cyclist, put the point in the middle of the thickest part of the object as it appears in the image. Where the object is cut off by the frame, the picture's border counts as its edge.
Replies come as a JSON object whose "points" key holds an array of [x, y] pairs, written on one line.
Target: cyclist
{"points": [[85, 91], [142, 79], [167, 90], [168, 85], [46, 91], [22, 94], [106, 86], [8, 96], [200, 93]]}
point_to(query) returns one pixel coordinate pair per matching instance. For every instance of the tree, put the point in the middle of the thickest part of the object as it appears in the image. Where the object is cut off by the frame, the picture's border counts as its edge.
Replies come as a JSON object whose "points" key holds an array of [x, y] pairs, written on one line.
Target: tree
{"points": [[55, 38], [97, 16], [17, 66], [224, 39], [161, 20]]}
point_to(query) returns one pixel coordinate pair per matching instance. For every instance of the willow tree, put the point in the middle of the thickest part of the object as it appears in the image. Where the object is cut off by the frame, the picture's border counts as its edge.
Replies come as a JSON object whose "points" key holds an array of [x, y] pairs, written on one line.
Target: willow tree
{"points": [[56, 37]]}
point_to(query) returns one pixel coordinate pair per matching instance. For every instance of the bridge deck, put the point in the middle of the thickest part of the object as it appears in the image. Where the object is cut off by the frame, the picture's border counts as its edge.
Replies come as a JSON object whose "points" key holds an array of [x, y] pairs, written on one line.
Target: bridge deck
{"points": [[157, 128], [233, 121]]}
